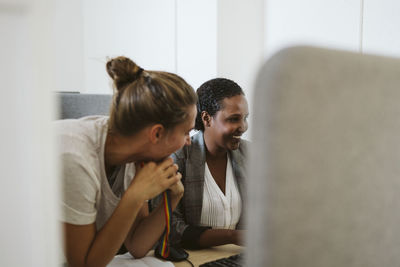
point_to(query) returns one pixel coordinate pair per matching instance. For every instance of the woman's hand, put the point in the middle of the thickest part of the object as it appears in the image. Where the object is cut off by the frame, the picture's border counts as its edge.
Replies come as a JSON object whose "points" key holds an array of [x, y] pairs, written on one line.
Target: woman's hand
{"points": [[177, 189], [152, 179]]}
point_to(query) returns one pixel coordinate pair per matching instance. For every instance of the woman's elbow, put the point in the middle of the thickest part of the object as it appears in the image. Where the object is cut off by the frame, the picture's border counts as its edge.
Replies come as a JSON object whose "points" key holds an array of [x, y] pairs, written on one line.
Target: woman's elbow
{"points": [[138, 253]]}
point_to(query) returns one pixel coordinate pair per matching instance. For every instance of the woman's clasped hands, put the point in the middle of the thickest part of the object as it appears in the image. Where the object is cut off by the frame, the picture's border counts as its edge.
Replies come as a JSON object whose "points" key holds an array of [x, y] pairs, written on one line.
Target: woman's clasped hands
{"points": [[152, 178]]}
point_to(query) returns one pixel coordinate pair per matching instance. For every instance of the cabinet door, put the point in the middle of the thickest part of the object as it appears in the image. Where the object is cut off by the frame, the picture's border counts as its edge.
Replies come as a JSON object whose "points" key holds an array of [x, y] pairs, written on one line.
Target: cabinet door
{"points": [[330, 23], [68, 33], [141, 30], [196, 40], [381, 27]]}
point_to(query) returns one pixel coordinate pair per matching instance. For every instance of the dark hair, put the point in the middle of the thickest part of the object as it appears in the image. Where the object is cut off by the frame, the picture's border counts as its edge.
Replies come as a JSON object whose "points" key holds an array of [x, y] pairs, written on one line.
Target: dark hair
{"points": [[210, 96], [143, 97]]}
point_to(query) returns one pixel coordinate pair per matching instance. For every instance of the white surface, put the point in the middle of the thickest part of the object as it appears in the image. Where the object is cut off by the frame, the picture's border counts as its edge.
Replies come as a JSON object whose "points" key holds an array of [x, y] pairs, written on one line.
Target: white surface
{"points": [[196, 40], [28, 190], [381, 27], [126, 260], [141, 30], [240, 43], [171, 35], [328, 23], [204, 39], [68, 33]]}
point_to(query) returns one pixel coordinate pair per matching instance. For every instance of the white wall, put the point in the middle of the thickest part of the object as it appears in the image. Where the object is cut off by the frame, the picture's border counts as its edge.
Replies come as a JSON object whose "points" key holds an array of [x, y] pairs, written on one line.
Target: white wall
{"points": [[172, 35], [28, 184], [69, 53], [328, 23], [141, 30], [381, 27], [240, 43], [365, 26], [196, 40], [203, 39]]}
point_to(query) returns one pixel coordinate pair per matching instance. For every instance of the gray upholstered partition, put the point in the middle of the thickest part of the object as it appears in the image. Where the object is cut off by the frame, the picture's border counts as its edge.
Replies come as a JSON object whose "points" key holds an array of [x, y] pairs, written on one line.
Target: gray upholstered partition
{"points": [[76, 105], [325, 162]]}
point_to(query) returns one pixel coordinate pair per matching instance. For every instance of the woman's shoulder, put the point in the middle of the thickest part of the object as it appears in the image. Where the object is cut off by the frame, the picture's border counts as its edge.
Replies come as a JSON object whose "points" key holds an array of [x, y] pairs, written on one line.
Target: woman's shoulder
{"points": [[244, 146], [84, 135], [82, 126], [240, 154]]}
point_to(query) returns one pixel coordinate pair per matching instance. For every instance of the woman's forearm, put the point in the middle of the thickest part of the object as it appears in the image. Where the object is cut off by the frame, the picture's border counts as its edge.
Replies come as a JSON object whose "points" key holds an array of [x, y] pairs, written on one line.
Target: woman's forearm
{"points": [[149, 230], [111, 236], [217, 237]]}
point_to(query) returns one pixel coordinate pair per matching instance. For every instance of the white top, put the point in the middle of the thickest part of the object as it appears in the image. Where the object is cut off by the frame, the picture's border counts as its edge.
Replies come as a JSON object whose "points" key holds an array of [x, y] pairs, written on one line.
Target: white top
{"points": [[220, 211], [87, 195]]}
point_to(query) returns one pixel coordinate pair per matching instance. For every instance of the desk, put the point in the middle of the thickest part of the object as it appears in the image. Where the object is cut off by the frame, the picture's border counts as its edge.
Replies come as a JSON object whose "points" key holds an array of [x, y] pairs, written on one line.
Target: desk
{"points": [[201, 256]]}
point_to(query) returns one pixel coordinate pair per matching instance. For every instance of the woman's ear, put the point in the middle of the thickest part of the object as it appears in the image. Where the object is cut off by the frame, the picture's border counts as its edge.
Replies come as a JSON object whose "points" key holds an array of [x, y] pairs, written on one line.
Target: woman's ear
{"points": [[156, 133], [206, 118]]}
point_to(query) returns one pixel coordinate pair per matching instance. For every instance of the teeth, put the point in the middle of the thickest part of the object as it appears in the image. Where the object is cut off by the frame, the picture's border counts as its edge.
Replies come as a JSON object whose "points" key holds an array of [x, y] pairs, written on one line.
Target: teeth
{"points": [[236, 136]]}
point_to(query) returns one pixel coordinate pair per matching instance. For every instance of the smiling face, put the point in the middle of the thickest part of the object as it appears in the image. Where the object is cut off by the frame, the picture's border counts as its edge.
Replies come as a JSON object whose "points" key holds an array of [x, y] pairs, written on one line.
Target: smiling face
{"points": [[229, 123]]}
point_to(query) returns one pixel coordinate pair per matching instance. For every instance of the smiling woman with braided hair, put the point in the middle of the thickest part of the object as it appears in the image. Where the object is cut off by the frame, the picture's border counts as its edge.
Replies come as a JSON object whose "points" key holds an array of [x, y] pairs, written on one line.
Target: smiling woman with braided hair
{"points": [[213, 170], [113, 165]]}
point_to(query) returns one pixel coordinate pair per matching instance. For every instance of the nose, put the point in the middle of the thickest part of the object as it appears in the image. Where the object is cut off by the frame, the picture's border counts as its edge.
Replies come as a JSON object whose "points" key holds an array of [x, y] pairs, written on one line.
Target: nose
{"points": [[243, 126], [187, 141]]}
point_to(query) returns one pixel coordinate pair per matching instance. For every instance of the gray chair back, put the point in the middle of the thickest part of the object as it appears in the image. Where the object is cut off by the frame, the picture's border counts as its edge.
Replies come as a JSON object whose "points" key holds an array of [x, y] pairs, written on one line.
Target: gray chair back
{"points": [[325, 161], [76, 105]]}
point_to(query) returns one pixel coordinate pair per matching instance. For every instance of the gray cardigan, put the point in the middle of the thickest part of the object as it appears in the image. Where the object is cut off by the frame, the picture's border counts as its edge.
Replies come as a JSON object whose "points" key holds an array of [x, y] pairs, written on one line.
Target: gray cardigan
{"points": [[191, 161]]}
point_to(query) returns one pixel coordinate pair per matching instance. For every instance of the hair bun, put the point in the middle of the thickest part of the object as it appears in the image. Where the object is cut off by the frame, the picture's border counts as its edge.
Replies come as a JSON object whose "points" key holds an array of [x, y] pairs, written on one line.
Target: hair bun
{"points": [[123, 71]]}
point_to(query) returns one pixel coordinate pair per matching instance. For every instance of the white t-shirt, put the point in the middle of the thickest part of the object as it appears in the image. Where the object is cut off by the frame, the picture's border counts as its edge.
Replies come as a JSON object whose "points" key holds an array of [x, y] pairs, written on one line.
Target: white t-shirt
{"points": [[87, 195], [219, 210]]}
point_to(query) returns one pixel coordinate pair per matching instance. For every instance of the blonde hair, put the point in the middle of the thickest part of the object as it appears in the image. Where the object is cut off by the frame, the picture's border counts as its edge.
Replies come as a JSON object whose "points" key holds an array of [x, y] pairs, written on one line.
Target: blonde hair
{"points": [[143, 97]]}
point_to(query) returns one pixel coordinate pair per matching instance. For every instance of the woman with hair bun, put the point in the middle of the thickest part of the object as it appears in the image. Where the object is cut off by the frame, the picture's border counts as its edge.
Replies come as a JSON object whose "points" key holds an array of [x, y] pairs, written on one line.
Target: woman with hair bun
{"points": [[112, 165], [213, 170]]}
